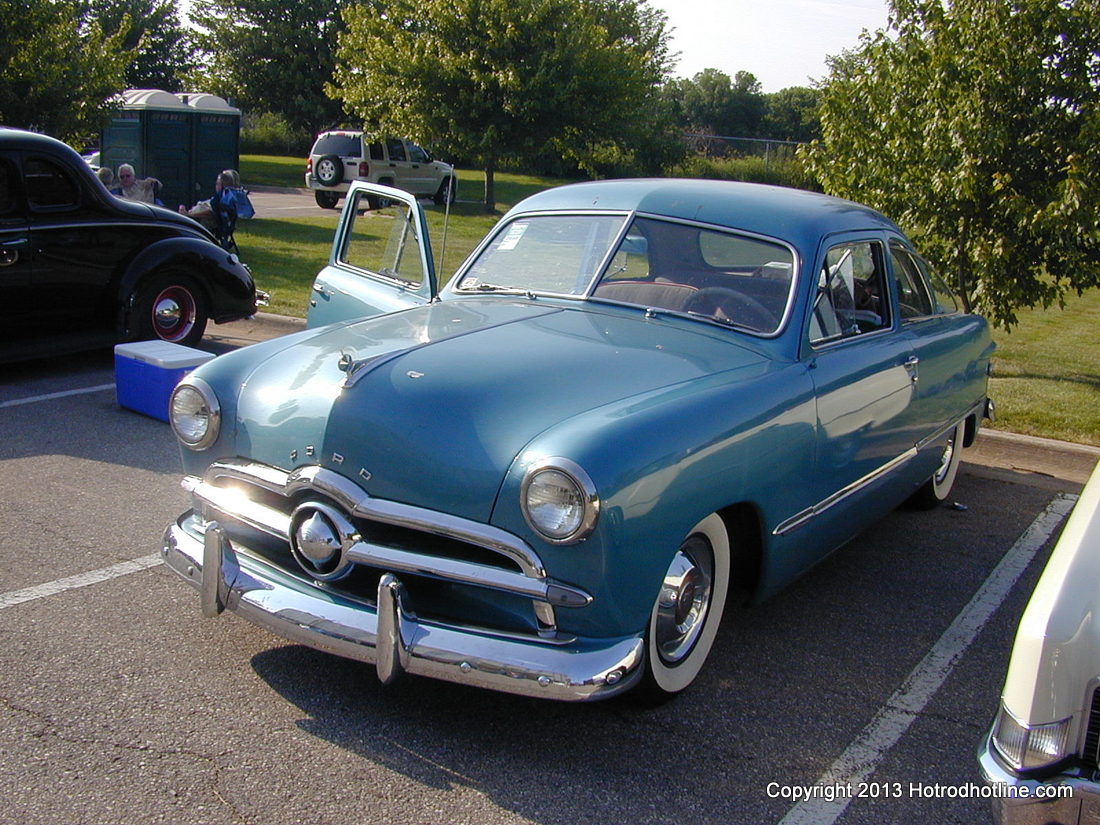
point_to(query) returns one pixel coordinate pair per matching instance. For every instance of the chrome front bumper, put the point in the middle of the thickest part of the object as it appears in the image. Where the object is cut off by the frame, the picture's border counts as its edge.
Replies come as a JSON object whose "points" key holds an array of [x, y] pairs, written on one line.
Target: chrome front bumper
{"points": [[388, 636], [1018, 801]]}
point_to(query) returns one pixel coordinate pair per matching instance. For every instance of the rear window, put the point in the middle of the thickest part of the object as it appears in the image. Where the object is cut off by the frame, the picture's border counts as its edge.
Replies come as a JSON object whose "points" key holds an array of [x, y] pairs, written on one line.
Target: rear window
{"points": [[342, 145]]}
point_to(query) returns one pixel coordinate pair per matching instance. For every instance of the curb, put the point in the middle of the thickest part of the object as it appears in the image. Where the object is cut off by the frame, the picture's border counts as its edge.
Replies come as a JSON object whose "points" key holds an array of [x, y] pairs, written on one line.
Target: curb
{"points": [[1038, 442], [287, 322], [280, 190]]}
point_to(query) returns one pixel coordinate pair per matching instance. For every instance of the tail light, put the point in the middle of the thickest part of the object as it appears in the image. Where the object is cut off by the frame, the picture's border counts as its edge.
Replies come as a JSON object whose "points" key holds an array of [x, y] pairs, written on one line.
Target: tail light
{"points": [[364, 169], [309, 165]]}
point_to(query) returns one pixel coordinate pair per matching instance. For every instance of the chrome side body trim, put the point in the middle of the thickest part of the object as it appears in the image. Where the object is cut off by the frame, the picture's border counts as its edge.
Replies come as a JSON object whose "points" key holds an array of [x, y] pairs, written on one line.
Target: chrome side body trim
{"points": [[801, 519], [389, 636]]}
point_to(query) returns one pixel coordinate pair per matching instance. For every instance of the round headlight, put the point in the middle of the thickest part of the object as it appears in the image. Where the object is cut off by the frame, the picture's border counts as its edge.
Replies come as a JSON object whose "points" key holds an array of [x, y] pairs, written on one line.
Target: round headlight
{"points": [[559, 501], [195, 414]]}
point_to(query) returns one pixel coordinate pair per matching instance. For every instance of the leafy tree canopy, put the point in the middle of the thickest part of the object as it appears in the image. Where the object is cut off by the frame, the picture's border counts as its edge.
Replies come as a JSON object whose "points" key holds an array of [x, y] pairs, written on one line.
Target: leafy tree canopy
{"points": [[500, 79], [151, 30], [272, 56], [791, 114], [58, 75], [713, 103], [976, 125]]}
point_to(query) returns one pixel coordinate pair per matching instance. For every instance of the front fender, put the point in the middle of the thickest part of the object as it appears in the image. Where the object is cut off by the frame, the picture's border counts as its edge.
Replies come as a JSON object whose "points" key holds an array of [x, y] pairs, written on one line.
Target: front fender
{"points": [[660, 464], [227, 281]]}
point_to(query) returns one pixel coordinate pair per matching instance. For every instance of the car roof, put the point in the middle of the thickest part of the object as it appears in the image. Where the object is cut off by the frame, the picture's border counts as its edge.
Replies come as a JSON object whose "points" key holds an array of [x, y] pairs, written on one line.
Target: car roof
{"points": [[22, 137], [796, 215]]}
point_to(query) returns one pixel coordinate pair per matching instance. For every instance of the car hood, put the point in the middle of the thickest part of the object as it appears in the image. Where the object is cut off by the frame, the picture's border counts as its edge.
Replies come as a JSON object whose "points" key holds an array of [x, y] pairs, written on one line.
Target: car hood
{"points": [[430, 405]]}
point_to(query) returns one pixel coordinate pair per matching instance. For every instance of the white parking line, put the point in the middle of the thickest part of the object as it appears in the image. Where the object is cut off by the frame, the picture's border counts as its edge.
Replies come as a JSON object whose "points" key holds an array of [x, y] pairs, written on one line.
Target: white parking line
{"points": [[862, 757], [52, 395], [41, 591]]}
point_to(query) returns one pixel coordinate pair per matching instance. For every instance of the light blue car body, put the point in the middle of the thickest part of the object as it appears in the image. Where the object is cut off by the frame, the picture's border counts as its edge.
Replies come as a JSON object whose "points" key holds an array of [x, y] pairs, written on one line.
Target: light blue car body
{"points": [[441, 403]]}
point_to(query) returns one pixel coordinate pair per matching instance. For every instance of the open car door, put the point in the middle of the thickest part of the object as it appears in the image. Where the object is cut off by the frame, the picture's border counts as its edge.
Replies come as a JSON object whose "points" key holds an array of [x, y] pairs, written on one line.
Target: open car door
{"points": [[381, 258]]}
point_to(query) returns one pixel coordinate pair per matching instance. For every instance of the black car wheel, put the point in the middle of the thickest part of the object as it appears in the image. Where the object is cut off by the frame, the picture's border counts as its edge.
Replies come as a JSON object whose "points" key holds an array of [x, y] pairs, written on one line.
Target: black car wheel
{"points": [[446, 193], [329, 170], [326, 200], [172, 308]]}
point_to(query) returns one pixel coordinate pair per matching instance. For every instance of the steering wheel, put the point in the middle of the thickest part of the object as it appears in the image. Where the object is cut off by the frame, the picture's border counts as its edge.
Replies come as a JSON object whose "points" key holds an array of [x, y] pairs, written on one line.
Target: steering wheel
{"points": [[719, 301]]}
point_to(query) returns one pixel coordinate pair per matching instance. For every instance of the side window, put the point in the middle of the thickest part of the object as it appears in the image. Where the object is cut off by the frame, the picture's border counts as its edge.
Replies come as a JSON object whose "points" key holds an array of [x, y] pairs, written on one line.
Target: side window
{"points": [[389, 249], [417, 154], [396, 149], [48, 185], [914, 295], [851, 293], [376, 151], [9, 189]]}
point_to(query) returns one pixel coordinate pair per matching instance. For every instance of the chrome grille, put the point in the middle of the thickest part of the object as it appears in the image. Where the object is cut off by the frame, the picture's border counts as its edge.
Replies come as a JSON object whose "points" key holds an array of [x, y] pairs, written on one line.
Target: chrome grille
{"points": [[1091, 754], [456, 561]]}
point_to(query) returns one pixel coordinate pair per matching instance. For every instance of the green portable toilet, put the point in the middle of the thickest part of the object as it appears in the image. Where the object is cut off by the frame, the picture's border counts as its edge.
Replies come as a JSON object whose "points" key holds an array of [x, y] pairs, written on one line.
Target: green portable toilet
{"points": [[181, 140]]}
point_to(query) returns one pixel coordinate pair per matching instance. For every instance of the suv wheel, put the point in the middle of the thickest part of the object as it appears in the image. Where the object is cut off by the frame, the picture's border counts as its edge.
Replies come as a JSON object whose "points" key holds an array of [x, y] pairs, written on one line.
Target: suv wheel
{"points": [[326, 200], [329, 170], [446, 193]]}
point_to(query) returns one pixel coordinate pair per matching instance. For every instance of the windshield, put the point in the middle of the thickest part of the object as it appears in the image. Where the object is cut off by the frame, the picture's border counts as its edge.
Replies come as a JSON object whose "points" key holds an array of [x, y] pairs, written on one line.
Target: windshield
{"points": [[707, 273], [557, 254]]}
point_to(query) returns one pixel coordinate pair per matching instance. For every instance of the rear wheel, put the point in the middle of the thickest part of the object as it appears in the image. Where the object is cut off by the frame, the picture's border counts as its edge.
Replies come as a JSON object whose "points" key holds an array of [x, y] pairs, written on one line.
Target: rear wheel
{"points": [[326, 200], [171, 307], [688, 610], [936, 490]]}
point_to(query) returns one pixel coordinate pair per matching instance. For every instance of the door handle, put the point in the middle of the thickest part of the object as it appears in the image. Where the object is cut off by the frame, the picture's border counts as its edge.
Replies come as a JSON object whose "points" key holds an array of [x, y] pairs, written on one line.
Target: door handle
{"points": [[911, 367]]}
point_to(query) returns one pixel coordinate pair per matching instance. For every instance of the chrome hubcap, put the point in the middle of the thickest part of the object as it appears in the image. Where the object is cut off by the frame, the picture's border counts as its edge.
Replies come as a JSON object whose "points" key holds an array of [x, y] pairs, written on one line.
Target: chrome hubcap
{"points": [[945, 459], [174, 314], [684, 601]]}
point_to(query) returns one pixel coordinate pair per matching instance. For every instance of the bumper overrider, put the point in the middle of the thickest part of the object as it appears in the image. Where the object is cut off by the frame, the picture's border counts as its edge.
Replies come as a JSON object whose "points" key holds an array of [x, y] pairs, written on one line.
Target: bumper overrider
{"points": [[387, 633], [1020, 800]]}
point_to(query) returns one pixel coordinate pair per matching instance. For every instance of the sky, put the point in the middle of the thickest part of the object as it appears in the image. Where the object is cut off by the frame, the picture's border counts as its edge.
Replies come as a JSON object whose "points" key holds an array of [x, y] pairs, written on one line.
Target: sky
{"points": [[782, 42]]}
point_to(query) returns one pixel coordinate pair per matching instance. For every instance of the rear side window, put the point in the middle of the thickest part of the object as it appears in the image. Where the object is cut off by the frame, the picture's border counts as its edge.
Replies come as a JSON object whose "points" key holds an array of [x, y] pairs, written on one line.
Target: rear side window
{"points": [[396, 148], [914, 294], [9, 188], [48, 185], [343, 145]]}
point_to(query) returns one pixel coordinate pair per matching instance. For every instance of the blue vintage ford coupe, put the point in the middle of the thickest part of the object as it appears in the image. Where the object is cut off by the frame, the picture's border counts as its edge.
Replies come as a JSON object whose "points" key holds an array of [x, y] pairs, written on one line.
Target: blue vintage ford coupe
{"points": [[633, 401]]}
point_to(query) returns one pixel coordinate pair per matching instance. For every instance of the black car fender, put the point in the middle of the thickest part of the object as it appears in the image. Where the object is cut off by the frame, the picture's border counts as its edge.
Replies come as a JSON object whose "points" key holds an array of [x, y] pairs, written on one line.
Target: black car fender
{"points": [[225, 280]]}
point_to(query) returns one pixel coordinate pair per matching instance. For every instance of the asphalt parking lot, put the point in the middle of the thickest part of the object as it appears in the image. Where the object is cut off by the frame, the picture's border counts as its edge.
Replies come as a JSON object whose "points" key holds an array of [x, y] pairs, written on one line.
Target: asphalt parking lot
{"points": [[121, 704]]}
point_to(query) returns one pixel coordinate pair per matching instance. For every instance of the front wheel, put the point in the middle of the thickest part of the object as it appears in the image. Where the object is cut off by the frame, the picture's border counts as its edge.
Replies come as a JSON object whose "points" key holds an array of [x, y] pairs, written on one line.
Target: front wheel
{"points": [[172, 308], [446, 192], [688, 610], [935, 491]]}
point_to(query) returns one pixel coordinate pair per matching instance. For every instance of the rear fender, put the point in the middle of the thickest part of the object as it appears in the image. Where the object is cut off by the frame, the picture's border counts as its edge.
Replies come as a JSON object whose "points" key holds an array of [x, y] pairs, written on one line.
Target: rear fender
{"points": [[226, 281]]}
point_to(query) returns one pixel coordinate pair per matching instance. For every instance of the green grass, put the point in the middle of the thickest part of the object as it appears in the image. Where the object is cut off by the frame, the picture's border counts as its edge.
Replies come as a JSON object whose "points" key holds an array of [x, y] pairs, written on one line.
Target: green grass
{"points": [[1046, 371]]}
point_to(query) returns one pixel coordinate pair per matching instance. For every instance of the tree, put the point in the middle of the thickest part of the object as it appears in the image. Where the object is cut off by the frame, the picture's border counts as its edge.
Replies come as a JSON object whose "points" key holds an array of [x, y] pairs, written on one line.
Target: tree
{"points": [[272, 56], [976, 125], [498, 79], [791, 114], [58, 75], [163, 51], [714, 104]]}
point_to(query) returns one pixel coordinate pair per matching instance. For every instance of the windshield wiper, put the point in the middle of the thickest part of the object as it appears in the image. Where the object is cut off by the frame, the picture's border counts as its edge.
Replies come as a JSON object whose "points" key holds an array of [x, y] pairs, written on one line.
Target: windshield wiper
{"points": [[726, 322]]}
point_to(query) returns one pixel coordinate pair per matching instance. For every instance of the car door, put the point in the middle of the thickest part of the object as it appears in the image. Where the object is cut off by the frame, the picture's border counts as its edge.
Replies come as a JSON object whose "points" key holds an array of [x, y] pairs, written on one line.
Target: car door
{"points": [[421, 174], [381, 260], [400, 170], [950, 358], [861, 363], [16, 303]]}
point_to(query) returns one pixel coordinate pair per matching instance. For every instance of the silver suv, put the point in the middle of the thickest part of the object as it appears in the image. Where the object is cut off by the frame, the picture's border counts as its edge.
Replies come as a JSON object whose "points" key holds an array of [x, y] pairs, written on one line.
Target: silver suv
{"points": [[338, 158]]}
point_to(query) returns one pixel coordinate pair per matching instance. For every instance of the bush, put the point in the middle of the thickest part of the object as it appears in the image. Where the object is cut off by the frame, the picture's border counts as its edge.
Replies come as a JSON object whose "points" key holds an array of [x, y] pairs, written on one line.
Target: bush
{"points": [[269, 134], [752, 168]]}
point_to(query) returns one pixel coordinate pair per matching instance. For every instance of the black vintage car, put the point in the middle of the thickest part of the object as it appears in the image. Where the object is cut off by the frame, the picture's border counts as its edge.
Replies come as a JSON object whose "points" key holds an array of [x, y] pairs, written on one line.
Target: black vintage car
{"points": [[79, 267]]}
